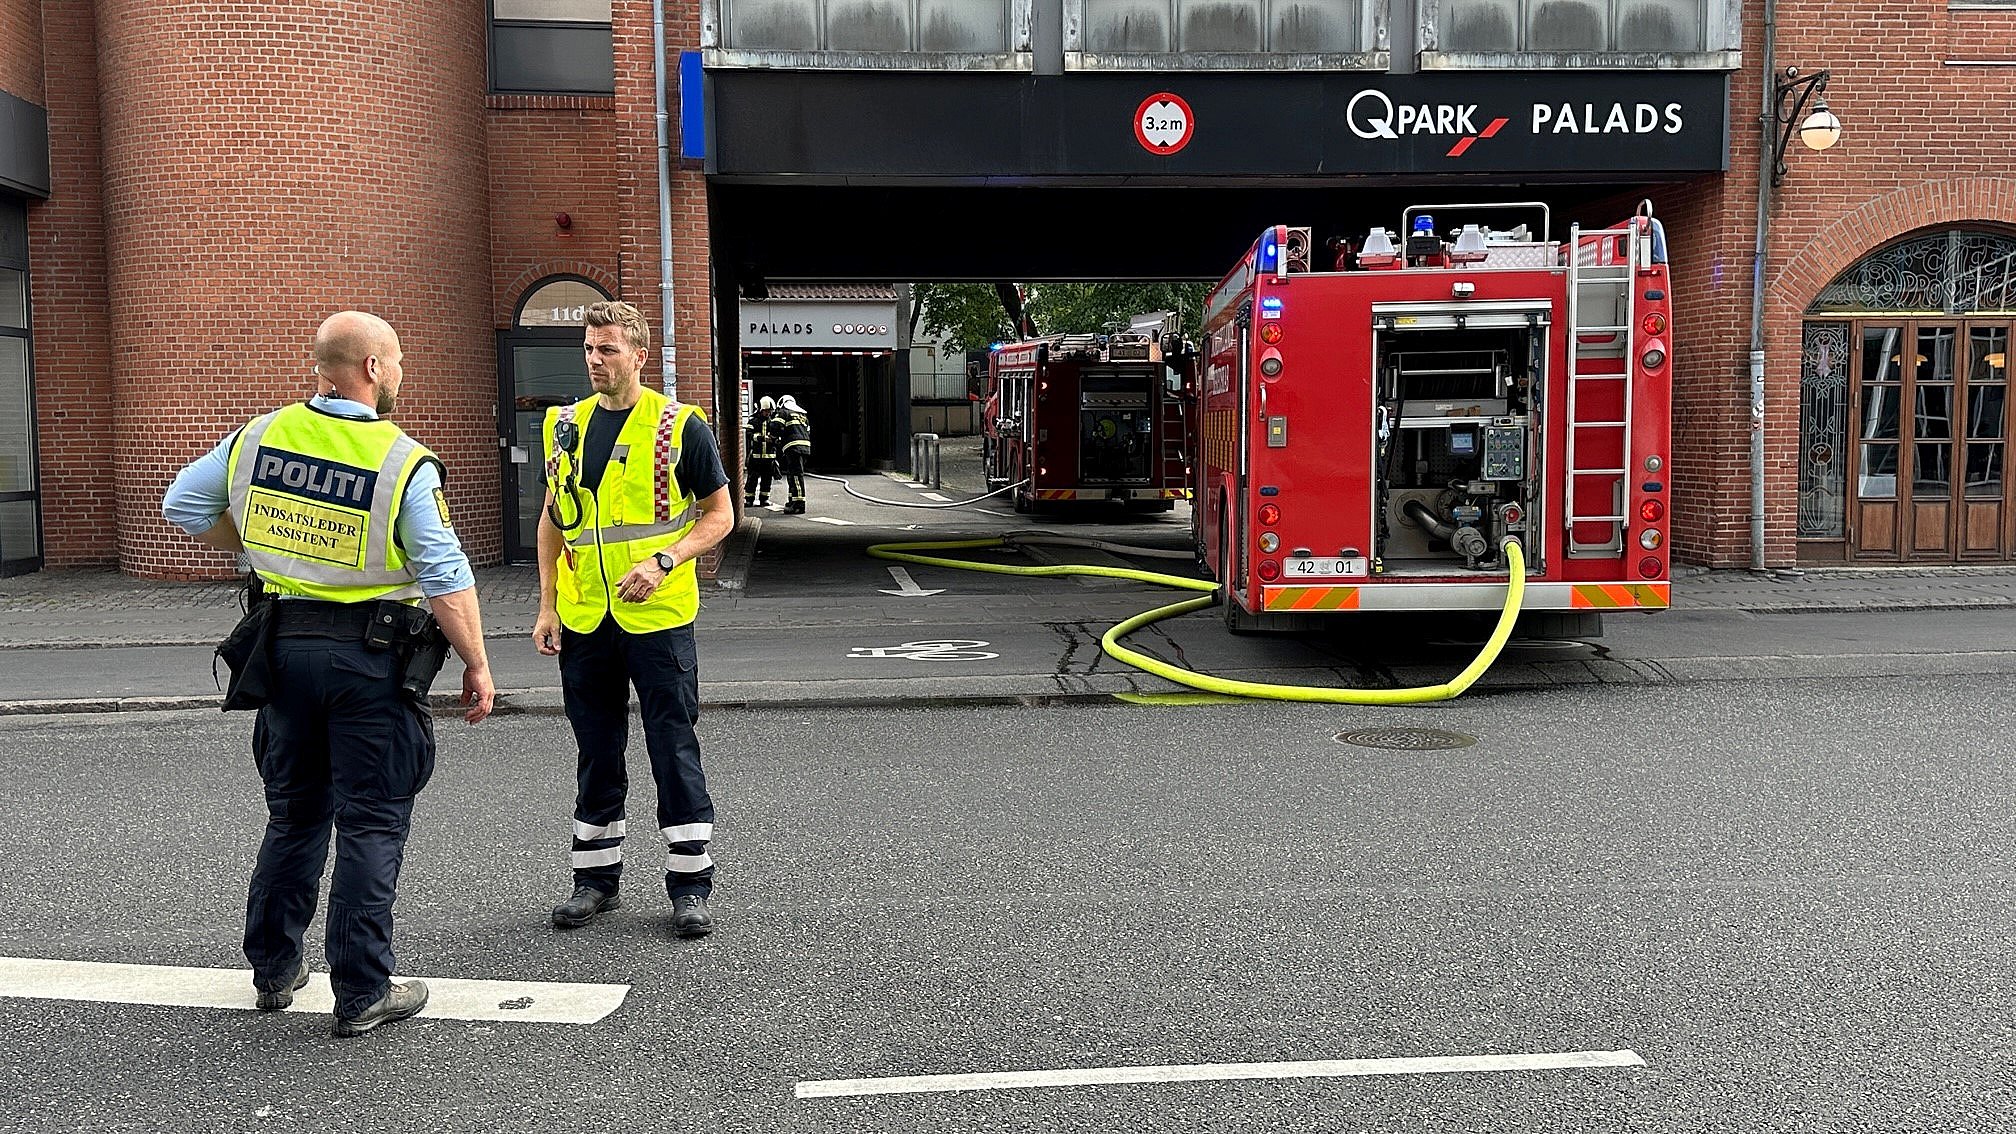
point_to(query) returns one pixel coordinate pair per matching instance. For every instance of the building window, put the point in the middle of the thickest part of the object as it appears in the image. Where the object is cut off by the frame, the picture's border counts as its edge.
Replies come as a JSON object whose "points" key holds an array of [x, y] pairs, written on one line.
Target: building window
{"points": [[1237, 34], [20, 496], [919, 34], [558, 302], [551, 47], [1579, 33]]}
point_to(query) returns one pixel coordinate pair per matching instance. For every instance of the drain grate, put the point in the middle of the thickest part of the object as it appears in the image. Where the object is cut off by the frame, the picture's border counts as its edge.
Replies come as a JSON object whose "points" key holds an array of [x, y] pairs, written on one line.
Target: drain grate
{"points": [[1407, 739]]}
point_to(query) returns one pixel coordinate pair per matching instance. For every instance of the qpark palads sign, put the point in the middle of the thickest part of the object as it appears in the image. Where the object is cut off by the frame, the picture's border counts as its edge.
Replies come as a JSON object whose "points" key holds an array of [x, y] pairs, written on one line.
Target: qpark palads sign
{"points": [[1204, 125], [814, 324]]}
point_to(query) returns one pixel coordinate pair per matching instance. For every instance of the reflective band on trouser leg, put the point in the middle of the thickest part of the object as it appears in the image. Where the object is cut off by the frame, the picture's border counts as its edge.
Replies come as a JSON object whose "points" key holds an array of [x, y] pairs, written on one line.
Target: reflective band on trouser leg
{"points": [[597, 844], [686, 857]]}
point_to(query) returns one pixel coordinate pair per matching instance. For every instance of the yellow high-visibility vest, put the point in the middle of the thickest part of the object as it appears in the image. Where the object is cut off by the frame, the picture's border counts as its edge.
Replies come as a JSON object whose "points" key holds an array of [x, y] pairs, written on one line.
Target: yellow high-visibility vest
{"points": [[638, 508], [316, 496]]}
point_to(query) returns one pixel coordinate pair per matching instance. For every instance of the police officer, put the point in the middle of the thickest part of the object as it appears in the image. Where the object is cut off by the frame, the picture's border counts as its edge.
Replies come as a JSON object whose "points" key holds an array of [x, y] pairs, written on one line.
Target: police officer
{"points": [[635, 493], [796, 450], [762, 453], [342, 517]]}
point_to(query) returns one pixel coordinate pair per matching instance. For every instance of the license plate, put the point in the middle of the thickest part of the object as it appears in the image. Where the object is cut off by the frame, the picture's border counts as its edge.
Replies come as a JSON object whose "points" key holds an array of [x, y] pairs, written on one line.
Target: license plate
{"points": [[1324, 568]]}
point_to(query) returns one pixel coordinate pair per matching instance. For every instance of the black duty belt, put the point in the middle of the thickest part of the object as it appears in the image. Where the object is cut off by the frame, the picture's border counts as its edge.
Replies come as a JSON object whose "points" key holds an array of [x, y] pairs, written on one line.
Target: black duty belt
{"points": [[313, 618]]}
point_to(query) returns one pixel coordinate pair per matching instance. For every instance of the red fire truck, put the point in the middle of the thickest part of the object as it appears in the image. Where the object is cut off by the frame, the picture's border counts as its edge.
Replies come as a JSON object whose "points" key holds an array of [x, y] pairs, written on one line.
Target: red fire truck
{"points": [[1084, 418], [1374, 428]]}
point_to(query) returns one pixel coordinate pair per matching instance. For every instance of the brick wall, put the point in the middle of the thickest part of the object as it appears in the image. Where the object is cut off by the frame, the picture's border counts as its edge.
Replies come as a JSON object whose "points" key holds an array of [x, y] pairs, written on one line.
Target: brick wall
{"points": [[74, 385], [637, 198], [21, 49], [550, 155], [1921, 147], [267, 162]]}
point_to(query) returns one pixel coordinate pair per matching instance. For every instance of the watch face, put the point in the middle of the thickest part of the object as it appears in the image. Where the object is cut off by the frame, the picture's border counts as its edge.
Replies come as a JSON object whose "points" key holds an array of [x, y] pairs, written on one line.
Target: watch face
{"points": [[664, 561]]}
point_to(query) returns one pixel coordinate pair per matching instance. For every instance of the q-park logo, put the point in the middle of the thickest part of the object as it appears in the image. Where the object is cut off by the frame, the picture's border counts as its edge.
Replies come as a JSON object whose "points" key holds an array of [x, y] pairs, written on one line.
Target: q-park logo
{"points": [[1372, 115]]}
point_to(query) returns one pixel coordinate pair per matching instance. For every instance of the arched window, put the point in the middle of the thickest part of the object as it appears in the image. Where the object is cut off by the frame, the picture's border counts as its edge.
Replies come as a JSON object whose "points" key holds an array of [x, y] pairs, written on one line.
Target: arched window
{"points": [[557, 301], [1903, 404], [1955, 272]]}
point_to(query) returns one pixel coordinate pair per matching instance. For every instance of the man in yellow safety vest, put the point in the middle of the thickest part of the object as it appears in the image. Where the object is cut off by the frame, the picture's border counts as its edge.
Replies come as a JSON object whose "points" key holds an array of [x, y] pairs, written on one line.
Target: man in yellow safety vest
{"points": [[635, 493]]}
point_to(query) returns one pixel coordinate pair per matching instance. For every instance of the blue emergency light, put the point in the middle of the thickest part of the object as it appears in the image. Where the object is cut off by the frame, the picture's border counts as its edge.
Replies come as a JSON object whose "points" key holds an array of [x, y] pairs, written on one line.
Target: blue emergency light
{"points": [[1267, 254], [1424, 225], [1270, 306]]}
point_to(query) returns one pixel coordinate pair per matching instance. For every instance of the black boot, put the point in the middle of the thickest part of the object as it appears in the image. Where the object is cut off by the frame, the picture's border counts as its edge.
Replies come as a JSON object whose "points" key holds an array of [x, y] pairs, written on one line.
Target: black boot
{"points": [[581, 908], [690, 917]]}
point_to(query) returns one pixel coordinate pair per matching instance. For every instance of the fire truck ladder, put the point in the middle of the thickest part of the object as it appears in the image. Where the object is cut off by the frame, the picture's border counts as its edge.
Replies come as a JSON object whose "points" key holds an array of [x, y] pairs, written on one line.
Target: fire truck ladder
{"points": [[1173, 432], [1600, 284]]}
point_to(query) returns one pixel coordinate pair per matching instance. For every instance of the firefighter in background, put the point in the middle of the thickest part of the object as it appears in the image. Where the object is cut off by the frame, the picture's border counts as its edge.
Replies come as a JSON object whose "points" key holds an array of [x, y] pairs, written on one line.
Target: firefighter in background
{"points": [[635, 493], [762, 454], [797, 450]]}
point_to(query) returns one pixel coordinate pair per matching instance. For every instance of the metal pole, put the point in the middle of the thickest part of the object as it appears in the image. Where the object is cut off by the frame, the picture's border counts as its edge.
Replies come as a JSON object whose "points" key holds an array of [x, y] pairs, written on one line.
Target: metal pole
{"points": [[1767, 141], [668, 351]]}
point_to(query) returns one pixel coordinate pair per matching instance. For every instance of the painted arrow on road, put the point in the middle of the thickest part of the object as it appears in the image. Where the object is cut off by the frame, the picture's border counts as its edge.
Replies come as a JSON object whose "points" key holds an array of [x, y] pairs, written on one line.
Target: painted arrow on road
{"points": [[909, 585]]}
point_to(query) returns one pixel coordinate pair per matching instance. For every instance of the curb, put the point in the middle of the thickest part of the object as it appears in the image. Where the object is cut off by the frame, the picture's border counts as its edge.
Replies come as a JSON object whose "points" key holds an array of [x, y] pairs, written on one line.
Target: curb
{"points": [[1107, 688]]}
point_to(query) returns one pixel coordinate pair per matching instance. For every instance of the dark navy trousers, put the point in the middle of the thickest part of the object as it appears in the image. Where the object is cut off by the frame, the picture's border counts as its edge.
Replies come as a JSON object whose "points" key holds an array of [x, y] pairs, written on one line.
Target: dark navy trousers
{"points": [[340, 746], [597, 671]]}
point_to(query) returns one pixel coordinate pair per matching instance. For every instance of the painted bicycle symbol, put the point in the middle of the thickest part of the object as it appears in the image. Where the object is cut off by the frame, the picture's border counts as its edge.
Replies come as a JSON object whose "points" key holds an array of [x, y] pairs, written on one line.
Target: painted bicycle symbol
{"points": [[946, 649]]}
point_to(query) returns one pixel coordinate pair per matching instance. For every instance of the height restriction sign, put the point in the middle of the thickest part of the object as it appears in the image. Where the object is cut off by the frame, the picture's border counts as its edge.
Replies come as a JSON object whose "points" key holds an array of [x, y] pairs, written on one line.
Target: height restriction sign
{"points": [[1163, 123]]}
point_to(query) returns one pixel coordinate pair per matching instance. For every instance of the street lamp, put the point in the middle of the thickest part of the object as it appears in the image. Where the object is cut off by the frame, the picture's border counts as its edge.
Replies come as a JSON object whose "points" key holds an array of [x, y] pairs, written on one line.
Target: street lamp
{"points": [[1818, 128]]}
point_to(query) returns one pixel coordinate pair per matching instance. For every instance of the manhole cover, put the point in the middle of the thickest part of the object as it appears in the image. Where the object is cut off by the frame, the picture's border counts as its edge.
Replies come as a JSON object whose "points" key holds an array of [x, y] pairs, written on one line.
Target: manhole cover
{"points": [[1407, 739]]}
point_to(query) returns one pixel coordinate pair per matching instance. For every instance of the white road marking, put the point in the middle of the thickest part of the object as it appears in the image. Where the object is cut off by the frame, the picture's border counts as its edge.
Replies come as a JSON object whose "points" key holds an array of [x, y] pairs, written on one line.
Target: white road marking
{"points": [[1211, 1072], [952, 649], [909, 586], [831, 520], [992, 512], [526, 1002], [935, 496]]}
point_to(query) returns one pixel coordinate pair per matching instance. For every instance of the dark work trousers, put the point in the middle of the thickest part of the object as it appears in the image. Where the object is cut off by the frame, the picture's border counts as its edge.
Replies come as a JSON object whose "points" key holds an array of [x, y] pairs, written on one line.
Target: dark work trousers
{"points": [[339, 744], [794, 471], [762, 470], [596, 672]]}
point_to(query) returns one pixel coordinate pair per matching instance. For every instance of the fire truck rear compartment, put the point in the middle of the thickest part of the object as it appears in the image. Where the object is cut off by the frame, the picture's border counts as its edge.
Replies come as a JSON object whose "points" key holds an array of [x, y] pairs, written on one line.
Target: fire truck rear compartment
{"points": [[1116, 425], [1454, 452]]}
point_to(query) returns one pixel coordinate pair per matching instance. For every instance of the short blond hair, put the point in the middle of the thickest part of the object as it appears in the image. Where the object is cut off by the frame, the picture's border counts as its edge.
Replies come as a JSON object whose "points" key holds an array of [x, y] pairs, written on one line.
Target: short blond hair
{"points": [[616, 313]]}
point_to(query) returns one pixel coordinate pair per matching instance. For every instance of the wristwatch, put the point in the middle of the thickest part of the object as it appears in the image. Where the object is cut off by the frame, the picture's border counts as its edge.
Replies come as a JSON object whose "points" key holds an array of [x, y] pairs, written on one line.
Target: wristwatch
{"points": [[665, 561]]}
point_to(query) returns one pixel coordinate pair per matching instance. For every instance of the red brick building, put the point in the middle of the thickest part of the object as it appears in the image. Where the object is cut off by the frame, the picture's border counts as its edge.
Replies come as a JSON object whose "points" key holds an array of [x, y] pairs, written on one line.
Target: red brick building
{"points": [[187, 188]]}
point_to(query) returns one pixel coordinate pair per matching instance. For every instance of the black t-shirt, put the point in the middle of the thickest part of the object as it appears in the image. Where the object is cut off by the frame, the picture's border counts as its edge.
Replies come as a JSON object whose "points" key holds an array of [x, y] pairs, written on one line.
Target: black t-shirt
{"points": [[699, 472]]}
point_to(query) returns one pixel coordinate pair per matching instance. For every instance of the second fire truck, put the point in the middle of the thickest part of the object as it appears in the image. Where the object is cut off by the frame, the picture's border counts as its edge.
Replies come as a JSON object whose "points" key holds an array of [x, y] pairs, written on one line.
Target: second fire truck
{"points": [[1377, 422], [1073, 419]]}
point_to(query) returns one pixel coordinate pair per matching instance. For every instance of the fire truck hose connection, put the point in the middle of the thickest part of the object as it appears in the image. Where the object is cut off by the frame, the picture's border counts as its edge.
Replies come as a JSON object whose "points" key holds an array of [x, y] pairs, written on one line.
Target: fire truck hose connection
{"points": [[842, 482], [1515, 595]]}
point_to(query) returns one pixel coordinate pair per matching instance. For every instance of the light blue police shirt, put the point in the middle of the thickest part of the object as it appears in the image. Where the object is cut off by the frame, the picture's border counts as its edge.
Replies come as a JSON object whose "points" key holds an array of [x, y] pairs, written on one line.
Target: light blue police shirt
{"points": [[202, 493]]}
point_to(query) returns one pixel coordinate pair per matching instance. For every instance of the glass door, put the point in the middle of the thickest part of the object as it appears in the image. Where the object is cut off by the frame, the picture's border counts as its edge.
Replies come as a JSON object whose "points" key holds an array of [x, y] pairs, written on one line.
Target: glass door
{"points": [[541, 368], [20, 487], [1982, 524], [1931, 422]]}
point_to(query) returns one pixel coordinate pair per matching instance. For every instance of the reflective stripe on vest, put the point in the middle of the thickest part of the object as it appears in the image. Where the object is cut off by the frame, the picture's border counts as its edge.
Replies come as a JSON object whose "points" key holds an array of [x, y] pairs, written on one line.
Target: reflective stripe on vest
{"points": [[626, 519], [316, 498]]}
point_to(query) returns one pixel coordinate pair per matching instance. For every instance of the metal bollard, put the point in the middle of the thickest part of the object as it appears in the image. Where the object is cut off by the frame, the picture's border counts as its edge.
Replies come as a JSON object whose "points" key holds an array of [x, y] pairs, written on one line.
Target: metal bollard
{"points": [[926, 460]]}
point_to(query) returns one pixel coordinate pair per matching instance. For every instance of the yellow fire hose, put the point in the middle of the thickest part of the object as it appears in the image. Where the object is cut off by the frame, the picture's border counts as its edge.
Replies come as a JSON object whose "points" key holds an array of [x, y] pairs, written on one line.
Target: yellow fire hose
{"points": [[1515, 594]]}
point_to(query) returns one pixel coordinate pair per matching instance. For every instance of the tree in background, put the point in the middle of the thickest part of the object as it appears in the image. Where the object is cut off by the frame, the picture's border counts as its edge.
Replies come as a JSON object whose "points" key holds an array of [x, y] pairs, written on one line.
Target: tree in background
{"points": [[973, 316]]}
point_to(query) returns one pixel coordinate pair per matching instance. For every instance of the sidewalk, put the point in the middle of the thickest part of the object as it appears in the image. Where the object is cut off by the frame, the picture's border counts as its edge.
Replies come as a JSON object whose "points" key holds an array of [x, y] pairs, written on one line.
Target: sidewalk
{"points": [[87, 608], [798, 613], [797, 581]]}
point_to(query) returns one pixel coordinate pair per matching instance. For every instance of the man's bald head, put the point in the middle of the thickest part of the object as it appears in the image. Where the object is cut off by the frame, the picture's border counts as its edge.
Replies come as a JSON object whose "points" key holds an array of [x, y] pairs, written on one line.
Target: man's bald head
{"points": [[347, 338], [358, 353]]}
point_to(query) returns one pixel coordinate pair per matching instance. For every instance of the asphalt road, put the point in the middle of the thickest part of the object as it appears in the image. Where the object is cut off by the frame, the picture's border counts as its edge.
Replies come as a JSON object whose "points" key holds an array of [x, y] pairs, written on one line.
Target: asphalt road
{"points": [[860, 660], [1791, 898]]}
